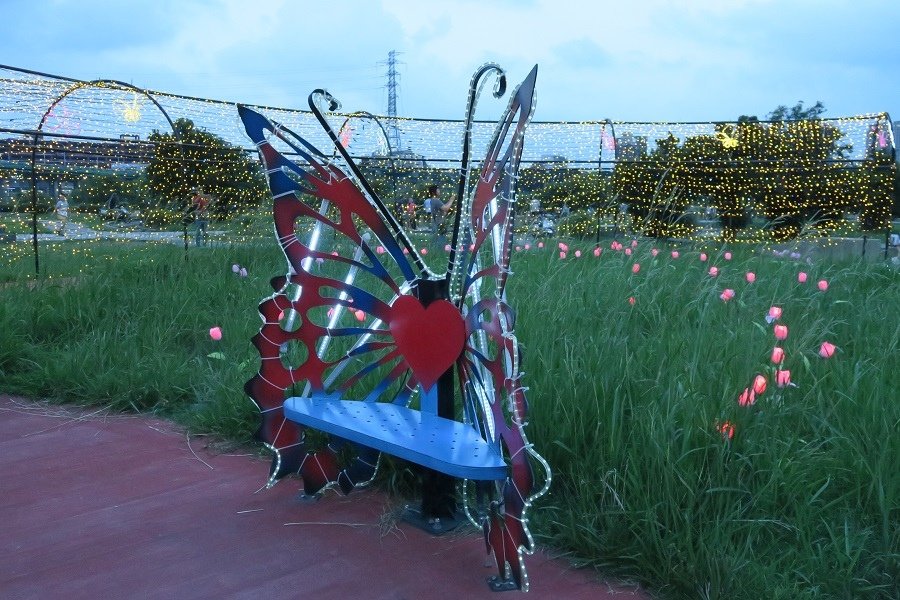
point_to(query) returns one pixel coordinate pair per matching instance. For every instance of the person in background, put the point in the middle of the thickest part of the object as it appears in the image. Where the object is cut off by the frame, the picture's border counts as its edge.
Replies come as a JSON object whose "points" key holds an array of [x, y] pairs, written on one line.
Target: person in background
{"points": [[62, 213], [200, 207]]}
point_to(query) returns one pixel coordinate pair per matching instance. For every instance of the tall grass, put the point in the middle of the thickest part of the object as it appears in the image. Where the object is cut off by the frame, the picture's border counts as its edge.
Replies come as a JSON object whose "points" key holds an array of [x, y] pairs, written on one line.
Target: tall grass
{"points": [[626, 400]]}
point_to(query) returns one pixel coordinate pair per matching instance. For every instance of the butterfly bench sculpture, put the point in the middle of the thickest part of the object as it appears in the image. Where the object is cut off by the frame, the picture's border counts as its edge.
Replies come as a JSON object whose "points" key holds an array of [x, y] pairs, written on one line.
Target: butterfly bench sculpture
{"points": [[364, 343]]}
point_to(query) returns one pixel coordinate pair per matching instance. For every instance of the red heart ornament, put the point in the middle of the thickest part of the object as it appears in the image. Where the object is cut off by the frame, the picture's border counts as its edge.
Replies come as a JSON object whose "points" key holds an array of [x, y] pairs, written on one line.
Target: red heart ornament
{"points": [[430, 339]]}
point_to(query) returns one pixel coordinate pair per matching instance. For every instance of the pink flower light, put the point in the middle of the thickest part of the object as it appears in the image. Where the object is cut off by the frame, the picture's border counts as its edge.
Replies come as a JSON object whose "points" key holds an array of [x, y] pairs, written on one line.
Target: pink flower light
{"points": [[631, 300], [578, 254], [782, 378], [726, 429], [334, 253], [424, 251], [774, 314], [727, 295], [215, 333], [446, 247], [518, 248], [703, 257], [597, 251], [801, 277], [563, 247], [759, 385], [728, 256], [528, 246], [634, 243], [826, 350], [360, 315], [747, 398], [627, 251], [713, 271], [823, 285], [777, 355], [562, 255], [635, 267], [751, 276], [380, 249], [675, 254], [781, 332], [540, 244], [654, 252]]}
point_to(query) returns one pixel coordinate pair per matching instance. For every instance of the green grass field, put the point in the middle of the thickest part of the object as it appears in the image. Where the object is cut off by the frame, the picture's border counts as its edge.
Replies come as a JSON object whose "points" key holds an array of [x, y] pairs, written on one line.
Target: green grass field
{"points": [[626, 400]]}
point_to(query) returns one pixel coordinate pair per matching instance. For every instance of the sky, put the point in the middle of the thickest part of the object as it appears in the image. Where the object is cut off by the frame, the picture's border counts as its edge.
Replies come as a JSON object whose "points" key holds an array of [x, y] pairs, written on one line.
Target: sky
{"points": [[630, 60]]}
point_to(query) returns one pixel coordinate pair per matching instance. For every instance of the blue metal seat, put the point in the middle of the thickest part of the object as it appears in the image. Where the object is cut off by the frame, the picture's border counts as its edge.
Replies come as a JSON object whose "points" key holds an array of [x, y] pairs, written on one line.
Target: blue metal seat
{"points": [[419, 436]]}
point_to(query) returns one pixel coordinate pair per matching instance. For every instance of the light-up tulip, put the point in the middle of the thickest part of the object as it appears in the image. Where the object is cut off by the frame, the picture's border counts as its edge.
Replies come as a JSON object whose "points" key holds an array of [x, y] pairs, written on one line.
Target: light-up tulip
{"points": [[597, 251], [747, 398], [562, 255], [631, 300], [801, 277], [360, 315], [777, 355], [424, 251], [578, 254], [528, 246], [634, 243], [446, 247], [235, 268], [627, 251], [726, 429], [713, 271], [518, 248], [728, 256], [563, 247], [380, 249], [782, 378], [330, 312], [675, 254], [775, 312], [826, 350], [215, 333], [405, 251], [635, 267], [654, 252], [320, 260], [781, 332], [334, 253], [540, 244], [242, 272], [727, 295], [703, 257], [823, 285], [280, 316], [751, 276], [759, 385]]}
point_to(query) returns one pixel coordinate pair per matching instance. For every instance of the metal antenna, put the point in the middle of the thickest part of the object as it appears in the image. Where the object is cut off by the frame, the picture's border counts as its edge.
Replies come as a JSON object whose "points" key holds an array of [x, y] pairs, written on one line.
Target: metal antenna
{"points": [[393, 84]]}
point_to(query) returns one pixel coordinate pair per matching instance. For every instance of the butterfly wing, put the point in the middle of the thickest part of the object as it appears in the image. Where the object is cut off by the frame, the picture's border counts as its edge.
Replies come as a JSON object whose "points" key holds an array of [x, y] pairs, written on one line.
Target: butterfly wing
{"points": [[324, 327], [489, 369]]}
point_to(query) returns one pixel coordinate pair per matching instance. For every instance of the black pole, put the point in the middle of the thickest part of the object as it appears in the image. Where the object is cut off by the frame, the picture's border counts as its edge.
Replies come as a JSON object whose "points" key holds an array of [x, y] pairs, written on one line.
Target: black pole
{"points": [[438, 489], [34, 239]]}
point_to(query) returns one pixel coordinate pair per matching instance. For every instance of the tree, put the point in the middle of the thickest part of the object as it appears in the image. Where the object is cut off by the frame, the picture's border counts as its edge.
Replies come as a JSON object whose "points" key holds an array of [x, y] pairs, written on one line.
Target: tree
{"points": [[193, 157]]}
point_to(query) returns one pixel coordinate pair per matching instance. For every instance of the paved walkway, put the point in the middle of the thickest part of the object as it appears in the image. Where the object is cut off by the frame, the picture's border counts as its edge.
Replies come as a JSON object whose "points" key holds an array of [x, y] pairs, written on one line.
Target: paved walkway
{"points": [[97, 506]]}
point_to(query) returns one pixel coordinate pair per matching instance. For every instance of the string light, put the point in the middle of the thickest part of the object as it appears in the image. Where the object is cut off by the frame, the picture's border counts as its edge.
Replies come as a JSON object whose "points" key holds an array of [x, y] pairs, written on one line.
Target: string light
{"points": [[779, 179]]}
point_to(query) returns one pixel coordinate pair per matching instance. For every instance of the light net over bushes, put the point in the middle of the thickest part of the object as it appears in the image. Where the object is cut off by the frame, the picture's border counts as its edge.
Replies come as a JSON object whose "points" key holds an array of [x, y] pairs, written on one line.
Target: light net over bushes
{"points": [[723, 181]]}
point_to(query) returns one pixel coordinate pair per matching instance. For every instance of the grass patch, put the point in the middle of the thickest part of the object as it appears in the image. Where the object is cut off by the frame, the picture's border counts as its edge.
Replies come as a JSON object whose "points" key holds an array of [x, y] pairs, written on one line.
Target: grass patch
{"points": [[803, 501]]}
